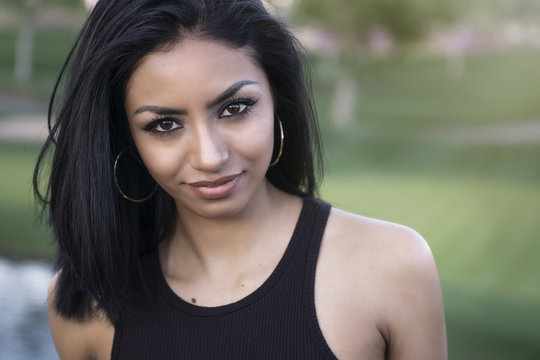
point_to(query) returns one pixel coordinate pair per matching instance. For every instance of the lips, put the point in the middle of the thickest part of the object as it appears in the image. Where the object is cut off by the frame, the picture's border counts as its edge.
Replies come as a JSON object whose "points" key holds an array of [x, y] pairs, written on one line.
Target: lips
{"points": [[214, 183], [215, 189]]}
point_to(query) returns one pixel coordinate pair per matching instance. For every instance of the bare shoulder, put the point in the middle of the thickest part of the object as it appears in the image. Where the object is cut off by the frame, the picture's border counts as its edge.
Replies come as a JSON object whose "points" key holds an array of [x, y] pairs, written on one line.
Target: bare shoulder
{"points": [[74, 339], [383, 250], [388, 275], [396, 249]]}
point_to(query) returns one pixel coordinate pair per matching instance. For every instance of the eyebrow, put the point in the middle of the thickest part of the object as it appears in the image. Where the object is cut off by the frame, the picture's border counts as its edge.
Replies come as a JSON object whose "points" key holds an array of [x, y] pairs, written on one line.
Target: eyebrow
{"points": [[159, 110], [231, 90]]}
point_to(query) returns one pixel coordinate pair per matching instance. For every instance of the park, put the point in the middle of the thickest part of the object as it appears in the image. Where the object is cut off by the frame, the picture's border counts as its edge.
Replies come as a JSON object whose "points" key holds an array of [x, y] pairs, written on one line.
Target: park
{"points": [[442, 133]]}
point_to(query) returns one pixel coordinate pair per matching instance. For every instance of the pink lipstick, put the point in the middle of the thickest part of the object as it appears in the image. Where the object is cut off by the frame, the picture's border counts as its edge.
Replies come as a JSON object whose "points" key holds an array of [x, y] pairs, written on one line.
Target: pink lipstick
{"points": [[215, 189]]}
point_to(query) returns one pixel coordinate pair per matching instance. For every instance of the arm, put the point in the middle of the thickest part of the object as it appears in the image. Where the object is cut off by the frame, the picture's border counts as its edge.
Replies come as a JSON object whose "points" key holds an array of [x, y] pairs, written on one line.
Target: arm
{"points": [[414, 306], [73, 339], [377, 291]]}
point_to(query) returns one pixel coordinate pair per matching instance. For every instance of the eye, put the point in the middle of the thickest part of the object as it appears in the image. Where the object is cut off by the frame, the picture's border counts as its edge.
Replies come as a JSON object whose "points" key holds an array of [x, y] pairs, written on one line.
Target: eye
{"points": [[163, 126], [166, 125], [233, 109], [237, 107]]}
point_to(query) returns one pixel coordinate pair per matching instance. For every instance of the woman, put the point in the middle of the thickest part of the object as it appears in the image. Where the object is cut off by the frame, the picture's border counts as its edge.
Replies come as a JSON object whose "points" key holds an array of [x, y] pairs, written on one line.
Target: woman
{"points": [[221, 252]]}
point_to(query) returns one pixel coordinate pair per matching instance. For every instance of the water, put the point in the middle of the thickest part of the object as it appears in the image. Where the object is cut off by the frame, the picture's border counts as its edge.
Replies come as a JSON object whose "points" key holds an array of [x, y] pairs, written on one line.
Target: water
{"points": [[24, 327]]}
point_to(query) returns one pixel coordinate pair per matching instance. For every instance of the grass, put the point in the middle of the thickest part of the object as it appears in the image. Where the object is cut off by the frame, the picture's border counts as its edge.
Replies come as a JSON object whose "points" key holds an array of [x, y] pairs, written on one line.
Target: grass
{"points": [[21, 234], [482, 325], [426, 87], [483, 232], [403, 93]]}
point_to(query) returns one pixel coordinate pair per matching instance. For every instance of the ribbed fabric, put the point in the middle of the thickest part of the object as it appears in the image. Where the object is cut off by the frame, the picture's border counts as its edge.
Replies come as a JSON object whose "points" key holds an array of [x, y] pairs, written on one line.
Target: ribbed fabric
{"points": [[277, 321]]}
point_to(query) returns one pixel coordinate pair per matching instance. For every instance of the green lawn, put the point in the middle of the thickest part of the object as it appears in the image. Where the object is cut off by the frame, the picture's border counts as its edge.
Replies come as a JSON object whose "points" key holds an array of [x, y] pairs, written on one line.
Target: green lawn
{"points": [[21, 234], [483, 232], [494, 88], [407, 93]]}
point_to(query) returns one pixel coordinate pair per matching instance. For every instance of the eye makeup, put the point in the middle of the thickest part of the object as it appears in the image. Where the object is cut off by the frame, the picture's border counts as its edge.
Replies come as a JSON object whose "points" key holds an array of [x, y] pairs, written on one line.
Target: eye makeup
{"points": [[168, 125], [244, 104], [237, 108]]}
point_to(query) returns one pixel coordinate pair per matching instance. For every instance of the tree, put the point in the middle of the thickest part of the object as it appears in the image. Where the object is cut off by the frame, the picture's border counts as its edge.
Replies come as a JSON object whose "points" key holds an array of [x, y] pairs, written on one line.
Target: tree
{"points": [[356, 22], [29, 10], [405, 20]]}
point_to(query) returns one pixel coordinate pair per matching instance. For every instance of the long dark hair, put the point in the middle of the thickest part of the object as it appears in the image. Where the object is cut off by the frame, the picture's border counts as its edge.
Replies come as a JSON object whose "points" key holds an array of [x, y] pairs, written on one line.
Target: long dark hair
{"points": [[100, 235]]}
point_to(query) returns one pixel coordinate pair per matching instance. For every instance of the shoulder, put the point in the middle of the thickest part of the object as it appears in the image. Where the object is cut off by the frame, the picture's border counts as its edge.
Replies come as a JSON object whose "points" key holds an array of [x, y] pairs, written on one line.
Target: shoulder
{"points": [[385, 270], [79, 339], [360, 243], [382, 244]]}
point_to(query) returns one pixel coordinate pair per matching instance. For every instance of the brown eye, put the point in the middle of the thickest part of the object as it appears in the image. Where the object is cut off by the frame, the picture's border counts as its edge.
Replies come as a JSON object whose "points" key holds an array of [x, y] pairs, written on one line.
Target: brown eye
{"points": [[165, 125], [233, 109]]}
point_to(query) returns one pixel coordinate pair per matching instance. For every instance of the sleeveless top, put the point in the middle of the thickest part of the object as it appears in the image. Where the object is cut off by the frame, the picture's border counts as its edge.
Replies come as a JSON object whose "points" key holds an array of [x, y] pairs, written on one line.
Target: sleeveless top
{"points": [[276, 321]]}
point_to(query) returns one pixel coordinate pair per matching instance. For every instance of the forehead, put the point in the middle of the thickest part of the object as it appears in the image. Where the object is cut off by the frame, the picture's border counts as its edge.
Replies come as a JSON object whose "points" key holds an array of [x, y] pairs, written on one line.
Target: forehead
{"points": [[195, 61]]}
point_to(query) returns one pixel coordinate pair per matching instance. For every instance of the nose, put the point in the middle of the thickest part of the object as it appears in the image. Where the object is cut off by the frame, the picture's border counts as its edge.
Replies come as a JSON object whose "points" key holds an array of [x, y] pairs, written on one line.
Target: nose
{"points": [[209, 151]]}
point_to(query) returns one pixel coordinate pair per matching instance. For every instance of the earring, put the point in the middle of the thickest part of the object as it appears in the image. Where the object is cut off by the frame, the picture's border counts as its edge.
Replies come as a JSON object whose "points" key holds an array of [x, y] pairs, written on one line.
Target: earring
{"points": [[282, 137], [118, 185]]}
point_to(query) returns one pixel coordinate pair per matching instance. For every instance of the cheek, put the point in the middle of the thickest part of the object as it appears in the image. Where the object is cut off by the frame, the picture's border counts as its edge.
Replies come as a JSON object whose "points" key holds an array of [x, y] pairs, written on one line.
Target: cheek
{"points": [[162, 162], [257, 141], [156, 158]]}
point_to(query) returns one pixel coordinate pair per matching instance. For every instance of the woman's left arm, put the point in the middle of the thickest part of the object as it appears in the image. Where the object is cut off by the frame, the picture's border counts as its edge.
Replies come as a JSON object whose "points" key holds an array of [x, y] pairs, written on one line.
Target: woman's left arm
{"points": [[414, 303]]}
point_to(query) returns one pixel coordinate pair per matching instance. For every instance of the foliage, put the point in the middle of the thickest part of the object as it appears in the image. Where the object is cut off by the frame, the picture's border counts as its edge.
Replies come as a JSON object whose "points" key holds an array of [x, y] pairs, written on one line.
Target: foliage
{"points": [[30, 7], [50, 50], [406, 20], [29, 10], [512, 10]]}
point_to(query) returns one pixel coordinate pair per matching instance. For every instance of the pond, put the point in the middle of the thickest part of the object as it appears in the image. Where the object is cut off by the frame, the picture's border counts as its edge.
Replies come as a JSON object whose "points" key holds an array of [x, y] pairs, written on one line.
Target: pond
{"points": [[24, 327]]}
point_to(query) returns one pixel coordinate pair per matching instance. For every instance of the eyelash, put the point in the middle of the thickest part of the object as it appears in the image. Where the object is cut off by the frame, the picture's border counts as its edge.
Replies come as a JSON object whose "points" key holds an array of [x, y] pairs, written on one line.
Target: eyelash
{"points": [[154, 123], [248, 102], [151, 127]]}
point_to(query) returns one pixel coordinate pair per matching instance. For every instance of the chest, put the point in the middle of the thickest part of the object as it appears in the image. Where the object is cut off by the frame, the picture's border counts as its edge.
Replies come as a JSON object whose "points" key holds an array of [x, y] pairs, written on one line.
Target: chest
{"points": [[284, 318], [273, 322]]}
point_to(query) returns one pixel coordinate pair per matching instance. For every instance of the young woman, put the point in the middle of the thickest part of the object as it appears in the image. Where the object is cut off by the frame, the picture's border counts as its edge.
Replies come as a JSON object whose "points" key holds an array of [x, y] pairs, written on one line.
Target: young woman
{"points": [[181, 197]]}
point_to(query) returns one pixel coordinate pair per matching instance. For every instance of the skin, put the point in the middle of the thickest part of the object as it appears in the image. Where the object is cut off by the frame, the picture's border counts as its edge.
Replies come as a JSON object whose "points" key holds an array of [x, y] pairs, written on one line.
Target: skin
{"points": [[377, 291]]}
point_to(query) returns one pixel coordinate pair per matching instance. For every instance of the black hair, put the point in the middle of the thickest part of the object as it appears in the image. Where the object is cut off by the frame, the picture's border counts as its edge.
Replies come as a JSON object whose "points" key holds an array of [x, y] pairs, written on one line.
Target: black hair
{"points": [[100, 235]]}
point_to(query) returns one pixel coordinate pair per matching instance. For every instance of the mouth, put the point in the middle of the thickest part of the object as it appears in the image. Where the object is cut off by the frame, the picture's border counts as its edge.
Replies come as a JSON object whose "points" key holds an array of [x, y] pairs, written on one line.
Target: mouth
{"points": [[214, 183], [216, 188]]}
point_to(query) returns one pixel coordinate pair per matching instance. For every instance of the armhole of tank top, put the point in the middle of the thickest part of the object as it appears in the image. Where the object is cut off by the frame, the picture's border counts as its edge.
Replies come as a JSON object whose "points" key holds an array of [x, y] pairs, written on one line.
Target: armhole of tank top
{"points": [[320, 218], [115, 351]]}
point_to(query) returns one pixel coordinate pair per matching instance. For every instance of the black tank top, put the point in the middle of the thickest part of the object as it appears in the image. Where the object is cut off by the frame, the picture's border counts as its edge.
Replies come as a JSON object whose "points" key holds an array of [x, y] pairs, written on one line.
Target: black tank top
{"points": [[277, 321]]}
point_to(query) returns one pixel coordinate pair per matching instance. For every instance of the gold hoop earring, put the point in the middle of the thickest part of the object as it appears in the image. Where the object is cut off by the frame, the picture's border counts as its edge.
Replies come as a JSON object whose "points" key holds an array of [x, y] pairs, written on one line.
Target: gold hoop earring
{"points": [[282, 137], [118, 185]]}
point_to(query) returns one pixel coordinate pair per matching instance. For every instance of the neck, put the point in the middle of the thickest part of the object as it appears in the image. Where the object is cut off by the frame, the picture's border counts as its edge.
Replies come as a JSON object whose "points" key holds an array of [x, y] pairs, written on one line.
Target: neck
{"points": [[214, 247]]}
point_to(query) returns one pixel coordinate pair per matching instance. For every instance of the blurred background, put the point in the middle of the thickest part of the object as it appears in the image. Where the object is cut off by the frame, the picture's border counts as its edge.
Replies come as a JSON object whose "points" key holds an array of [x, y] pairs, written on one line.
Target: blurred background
{"points": [[430, 113]]}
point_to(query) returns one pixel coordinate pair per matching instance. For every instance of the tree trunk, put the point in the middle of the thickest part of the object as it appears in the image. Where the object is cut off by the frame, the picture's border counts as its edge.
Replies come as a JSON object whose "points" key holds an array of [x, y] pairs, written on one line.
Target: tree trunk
{"points": [[344, 101], [24, 51]]}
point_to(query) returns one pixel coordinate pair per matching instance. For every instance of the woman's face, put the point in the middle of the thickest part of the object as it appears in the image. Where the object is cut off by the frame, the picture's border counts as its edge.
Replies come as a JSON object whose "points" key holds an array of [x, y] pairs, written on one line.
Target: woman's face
{"points": [[202, 118]]}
